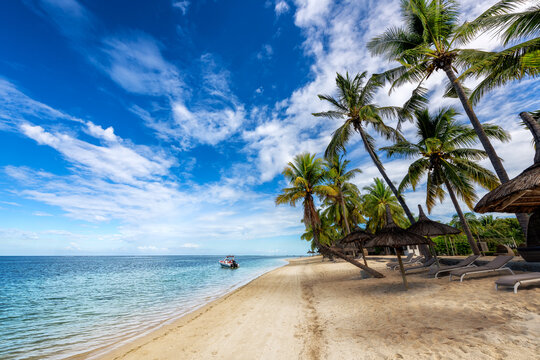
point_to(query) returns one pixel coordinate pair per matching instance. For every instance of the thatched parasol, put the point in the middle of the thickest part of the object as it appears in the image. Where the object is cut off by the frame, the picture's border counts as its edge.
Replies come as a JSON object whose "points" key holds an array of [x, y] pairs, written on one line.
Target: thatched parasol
{"points": [[358, 236], [522, 193], [427, 227], [394, 236]]}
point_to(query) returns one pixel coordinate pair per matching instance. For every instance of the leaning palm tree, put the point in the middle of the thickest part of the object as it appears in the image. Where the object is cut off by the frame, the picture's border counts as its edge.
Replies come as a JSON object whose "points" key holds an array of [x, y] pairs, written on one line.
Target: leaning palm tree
{"points": [[376, 197], [354, 104], [442, 153], [427, 43], [346, 195], [306, 178], [327, 234], [516, 22]]}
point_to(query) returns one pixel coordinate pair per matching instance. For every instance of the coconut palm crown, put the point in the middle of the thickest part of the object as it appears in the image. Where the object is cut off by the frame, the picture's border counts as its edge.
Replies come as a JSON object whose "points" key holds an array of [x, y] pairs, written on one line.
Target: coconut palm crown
{"points": [[443, 153], [306, 177]]}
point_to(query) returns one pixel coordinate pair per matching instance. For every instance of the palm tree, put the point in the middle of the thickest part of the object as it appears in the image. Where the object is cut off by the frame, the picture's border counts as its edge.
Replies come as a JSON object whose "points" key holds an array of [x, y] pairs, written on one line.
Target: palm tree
{"points": [[327, 233], [375, 199], [355, 105], [347, 194], [442, 153], [512, 23], [306, 177], [424, 45]]}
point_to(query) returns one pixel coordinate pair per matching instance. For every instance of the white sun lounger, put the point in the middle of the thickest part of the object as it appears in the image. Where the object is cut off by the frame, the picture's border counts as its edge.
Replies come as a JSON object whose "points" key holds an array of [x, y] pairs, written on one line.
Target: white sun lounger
{"points": [[517, 280]]}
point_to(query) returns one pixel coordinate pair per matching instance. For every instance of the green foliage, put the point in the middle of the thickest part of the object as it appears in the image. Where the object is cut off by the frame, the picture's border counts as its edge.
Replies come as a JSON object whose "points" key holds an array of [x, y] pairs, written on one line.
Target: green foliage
{"points": [[377, 196], [460, 244], [441, 152]]}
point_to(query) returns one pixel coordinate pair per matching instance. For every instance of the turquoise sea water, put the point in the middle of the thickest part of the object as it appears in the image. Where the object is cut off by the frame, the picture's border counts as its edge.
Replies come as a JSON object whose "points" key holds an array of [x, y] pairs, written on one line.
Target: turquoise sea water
{"points": [[55, 307]]}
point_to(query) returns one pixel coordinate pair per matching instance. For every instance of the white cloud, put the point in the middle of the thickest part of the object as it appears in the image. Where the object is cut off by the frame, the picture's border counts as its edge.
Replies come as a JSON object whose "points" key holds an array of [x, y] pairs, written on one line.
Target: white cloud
{"points": [[134, 61], [265, 53], [41, 213], [281, 7], [190, 245], [181, 5]]}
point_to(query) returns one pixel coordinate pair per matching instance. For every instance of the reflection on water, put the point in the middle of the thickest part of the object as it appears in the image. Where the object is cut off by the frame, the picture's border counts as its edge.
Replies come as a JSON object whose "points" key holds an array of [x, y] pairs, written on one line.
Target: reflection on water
{"points": [[53, 307]]}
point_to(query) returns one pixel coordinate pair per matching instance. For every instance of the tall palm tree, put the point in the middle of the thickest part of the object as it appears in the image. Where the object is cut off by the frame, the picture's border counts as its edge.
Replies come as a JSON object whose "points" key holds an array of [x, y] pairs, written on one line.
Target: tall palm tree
{"points": [[375, 198], [442, 153], [306, 177], [514, 21], [327, 233], [427, 43], [354, 104], [347, 194]]}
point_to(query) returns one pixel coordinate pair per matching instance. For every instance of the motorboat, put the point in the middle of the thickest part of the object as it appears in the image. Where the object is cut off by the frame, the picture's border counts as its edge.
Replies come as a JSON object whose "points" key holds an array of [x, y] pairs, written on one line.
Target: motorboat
{"points": [[229, 262]]}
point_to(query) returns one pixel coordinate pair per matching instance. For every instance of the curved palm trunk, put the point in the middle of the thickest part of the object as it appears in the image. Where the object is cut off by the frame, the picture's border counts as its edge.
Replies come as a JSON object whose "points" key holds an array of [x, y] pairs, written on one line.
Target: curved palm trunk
{"points": [[492, 154], [314, 217], [423, 248], [464, 223]]}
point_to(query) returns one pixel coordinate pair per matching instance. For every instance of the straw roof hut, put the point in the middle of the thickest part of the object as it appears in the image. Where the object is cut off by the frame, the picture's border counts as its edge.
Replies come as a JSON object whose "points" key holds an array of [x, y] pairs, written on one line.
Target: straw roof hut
{"points": [[394, 236], [522, 193]]}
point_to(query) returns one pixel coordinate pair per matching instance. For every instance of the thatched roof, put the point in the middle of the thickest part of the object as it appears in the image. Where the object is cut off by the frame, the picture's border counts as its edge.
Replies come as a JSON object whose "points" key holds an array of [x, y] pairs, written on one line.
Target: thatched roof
{"points": [[522, 193], [394, 236], [519, 195], [427, 227], [357, 235]]}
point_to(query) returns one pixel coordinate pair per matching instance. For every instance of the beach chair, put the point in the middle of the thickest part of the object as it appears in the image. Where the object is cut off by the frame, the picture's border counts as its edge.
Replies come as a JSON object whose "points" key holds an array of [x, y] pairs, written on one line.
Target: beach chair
{"points": [[393, 263], [447, 268], [422, 266], [413, 261], [494, 265], [517, 280]]}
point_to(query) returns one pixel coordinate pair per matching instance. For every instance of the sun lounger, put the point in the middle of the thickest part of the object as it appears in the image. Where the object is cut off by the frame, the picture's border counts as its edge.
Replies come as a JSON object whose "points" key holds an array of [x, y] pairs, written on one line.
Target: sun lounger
{"points": [[446, 269], [393, 263], [494, 265], [413, 261], [423, 266], [517, 280]]}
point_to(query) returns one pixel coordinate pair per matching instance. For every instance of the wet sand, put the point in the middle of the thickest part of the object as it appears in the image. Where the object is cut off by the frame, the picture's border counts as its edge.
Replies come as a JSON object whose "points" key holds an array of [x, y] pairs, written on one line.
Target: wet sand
{"points": [[322, 310]]}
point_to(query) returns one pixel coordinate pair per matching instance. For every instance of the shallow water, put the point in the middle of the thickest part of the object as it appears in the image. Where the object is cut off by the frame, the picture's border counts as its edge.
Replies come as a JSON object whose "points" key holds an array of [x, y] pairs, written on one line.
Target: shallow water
{"points": [[54, 307]]}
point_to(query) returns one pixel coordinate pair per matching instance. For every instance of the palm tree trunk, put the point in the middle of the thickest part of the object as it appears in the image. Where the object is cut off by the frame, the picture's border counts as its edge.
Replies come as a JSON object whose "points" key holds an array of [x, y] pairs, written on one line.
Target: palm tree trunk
{"points": [[464, 223], [367, 269], [343, 210], [492, 154], [423, 248]]}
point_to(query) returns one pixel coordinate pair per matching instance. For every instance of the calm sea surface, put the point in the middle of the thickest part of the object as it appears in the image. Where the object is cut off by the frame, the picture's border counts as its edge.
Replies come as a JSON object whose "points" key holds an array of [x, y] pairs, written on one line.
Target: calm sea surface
{"points": [[54, 307]]}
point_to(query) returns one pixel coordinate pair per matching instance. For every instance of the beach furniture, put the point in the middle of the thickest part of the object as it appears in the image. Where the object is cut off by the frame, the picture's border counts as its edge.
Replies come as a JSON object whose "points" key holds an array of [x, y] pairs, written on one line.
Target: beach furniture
{"points": [[393, 263], [446, 269], [422, 266], [415, 260], [494, 265], [517, 280]]}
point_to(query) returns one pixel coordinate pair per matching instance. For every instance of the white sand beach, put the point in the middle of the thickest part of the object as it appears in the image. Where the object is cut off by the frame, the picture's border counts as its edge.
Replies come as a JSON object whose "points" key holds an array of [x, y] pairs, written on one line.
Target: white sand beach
{"points": [[322, 310]]}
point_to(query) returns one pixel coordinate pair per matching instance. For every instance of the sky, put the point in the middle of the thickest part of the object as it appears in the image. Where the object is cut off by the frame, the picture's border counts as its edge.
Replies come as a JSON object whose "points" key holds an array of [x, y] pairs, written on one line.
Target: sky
{"points": [[162, 127]]}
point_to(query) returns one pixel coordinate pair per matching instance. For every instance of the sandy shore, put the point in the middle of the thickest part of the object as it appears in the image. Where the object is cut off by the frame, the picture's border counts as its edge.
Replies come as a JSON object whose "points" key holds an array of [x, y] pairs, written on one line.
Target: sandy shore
{"points": [[320, 310]]}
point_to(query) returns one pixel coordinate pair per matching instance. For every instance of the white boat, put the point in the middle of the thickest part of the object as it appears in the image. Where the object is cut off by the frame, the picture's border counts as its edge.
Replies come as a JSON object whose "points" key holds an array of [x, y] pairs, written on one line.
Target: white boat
{"points": [[229, 262]]}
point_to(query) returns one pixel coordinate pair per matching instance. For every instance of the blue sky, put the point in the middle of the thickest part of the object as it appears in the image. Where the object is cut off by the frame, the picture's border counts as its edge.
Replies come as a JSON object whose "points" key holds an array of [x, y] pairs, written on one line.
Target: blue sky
{"points": [[161, 127]]}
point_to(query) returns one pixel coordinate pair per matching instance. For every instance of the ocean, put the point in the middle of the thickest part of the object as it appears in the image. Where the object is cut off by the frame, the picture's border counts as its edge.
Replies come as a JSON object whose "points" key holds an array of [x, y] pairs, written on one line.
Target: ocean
{"points": [[52, 307]]}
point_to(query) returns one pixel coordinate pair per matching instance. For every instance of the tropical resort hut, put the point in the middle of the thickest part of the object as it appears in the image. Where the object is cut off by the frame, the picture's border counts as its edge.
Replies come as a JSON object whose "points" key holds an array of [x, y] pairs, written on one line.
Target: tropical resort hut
{"points": [[358, 237], [424, 226], [393, 236], [521, 195]]}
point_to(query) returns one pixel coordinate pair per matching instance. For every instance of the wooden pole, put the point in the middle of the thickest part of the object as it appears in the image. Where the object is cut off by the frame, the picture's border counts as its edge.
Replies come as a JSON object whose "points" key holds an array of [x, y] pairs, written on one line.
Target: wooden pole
{"points": [[434, 253], [401, 268]]}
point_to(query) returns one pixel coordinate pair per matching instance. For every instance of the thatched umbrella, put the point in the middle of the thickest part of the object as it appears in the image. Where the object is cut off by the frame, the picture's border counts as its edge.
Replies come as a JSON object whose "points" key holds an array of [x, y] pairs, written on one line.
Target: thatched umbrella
{"points": [[427, 227], [394, 236], [358, 236], [522, 193]]}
